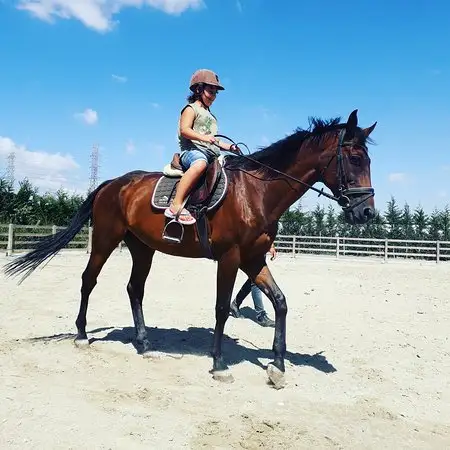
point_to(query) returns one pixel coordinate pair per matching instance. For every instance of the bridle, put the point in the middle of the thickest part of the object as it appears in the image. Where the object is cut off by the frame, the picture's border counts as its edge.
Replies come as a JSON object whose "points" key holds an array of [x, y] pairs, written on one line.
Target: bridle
{"points": [[345, 194]]}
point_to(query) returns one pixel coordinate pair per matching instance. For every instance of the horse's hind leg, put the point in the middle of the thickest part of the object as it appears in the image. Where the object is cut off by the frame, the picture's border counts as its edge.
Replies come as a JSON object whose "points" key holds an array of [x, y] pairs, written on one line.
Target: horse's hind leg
{"points": [[103, 244], [142, 256]]}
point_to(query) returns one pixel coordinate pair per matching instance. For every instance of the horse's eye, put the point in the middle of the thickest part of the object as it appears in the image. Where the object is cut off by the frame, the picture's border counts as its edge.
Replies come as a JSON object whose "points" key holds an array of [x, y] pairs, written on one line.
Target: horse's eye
{"points": [[355, 160]]}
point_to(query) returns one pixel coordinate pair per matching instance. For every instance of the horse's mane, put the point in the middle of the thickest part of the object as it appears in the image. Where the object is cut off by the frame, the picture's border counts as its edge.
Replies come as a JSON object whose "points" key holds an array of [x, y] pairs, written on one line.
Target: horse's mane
{"points": [[281, 154]]}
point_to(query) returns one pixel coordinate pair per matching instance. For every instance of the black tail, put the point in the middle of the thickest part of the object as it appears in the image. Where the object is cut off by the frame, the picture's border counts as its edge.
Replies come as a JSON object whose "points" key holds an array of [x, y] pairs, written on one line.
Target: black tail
{"points": [[50, 245]]}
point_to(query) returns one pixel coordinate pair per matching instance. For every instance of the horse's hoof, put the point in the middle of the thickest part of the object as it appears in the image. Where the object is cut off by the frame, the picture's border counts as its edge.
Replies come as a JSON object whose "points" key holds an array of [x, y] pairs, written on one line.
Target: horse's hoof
{"points": [[224, 376], [81, 343], [276, 376]]}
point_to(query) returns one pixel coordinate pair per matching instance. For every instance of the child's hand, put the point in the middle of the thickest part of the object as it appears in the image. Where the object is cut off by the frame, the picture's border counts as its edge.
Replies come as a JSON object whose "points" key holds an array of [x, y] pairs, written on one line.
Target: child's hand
{"points": [[211, 140]]}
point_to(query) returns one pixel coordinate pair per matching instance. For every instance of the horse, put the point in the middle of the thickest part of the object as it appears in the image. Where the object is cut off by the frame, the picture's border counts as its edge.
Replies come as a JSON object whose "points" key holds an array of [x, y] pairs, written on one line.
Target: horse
{"points": [[240, 228]]}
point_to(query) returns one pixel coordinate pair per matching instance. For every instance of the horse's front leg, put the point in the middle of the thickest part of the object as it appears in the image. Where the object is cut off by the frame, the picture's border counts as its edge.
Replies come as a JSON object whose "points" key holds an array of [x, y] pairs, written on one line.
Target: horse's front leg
{"points": [[227, 269], [261, 276]]}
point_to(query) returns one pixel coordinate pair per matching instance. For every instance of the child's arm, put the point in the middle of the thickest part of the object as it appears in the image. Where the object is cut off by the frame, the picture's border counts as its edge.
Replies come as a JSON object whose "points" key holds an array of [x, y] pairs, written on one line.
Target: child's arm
{"points": [[186, 122]]}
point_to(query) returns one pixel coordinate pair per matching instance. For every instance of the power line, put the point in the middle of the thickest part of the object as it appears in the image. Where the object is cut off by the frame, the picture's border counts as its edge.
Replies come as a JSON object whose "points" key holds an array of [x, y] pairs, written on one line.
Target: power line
{"points": [[10, 171], [93, 180]]}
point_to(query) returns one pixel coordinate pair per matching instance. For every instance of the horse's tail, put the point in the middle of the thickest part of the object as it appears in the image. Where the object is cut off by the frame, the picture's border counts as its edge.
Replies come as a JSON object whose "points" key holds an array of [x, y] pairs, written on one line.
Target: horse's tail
{"points": [[50, 245]]}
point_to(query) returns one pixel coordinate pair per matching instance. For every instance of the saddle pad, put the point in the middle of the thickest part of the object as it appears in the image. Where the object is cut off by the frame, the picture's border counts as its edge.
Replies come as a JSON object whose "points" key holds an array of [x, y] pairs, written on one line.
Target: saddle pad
{"points": [[166, 187]]}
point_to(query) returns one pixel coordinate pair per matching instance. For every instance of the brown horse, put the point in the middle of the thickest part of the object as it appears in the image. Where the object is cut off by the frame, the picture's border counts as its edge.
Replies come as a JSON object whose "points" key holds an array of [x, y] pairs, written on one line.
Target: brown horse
{"points": [[259, 189]]}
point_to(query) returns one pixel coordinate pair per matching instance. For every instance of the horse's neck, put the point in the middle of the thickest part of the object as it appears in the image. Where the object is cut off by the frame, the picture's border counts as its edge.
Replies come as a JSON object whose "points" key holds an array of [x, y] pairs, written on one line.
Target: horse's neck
{"points": [[282, 192]]}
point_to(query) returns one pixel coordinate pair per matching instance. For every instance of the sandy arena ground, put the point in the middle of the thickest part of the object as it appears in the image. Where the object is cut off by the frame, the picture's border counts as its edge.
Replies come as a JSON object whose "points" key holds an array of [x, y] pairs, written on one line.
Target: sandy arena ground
{"points": [[368, 362]]}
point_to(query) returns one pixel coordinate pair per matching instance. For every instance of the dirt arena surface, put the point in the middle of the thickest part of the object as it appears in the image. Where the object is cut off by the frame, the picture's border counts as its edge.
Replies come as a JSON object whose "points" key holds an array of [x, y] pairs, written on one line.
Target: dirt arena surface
{"points": [[368, 362]]}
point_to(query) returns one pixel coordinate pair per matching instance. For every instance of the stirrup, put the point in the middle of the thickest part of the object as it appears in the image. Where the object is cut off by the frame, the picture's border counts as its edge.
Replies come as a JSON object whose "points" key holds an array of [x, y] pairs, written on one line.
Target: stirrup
{"points": [[173, 236]]}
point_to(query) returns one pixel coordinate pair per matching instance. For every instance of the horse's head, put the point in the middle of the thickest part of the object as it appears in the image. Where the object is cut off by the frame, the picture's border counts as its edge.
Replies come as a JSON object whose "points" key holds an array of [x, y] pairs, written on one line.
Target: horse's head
{"points": [[345, 170]]}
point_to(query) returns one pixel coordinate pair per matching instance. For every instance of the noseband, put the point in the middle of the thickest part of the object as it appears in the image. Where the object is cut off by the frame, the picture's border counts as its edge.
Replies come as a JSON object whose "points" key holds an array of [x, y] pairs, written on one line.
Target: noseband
{"points": [[345, 193]]}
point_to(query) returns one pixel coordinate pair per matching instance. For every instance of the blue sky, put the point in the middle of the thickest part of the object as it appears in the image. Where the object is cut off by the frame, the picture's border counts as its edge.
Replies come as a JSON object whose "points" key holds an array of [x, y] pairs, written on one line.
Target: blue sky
{"points": [[116, 73]]}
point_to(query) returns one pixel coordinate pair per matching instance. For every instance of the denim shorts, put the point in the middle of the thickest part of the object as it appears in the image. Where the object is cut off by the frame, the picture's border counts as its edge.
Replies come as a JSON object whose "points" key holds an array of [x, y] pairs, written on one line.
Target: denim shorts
{"points": [[189, 157]]}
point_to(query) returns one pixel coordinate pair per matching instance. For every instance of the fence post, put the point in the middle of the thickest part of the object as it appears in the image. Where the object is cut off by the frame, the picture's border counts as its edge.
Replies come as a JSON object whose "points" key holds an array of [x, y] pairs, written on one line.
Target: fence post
{"points": [[337, 246], [54, 229], [10, 246], [294, 240], [89, 243], [438, 251], [385, 249]]}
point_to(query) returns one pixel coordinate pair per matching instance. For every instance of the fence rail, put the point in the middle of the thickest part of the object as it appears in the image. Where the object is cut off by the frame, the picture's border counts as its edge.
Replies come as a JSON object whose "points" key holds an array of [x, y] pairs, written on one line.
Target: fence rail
{"points": [[20, 238], [372, 247]]}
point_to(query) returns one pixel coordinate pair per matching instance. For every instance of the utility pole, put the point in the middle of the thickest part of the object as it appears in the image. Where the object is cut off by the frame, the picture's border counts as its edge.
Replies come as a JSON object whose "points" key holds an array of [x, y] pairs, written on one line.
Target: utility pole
{"points": [[10, 171], [93, 180]]}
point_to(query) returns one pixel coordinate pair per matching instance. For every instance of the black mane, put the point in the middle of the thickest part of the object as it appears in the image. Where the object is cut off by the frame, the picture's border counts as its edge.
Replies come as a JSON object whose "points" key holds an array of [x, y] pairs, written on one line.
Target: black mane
{"points": [[280, 154]]}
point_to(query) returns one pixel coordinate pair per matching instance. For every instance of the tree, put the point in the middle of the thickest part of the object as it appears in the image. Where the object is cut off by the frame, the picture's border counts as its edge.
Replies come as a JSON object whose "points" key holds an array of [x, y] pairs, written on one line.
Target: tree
{"points": [[293, 222], [434, 229], [24, 205], [392, 217], [420, 223], [445, 223], [406, 223], [28, 207], [6, 200], [331, 221], [318, 219]]}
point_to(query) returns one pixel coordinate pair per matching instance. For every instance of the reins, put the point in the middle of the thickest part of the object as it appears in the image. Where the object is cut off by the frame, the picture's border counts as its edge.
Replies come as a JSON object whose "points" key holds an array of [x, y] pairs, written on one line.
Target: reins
{"points": [[343, 200]]}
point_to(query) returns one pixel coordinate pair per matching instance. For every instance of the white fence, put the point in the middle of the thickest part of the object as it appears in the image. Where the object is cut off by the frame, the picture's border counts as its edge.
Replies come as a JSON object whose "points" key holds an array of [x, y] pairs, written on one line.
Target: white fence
{"points": [[370, 247], [20, 238]]}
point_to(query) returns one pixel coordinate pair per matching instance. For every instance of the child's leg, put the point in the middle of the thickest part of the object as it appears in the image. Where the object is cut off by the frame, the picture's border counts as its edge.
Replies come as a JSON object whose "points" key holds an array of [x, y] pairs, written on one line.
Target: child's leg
{"points": [[187, 182], [196, 163]]}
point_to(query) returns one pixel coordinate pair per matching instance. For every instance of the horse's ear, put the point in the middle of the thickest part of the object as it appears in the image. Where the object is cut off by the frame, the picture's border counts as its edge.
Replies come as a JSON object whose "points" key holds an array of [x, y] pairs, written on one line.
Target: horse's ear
{"points": [[367, 131], [352, 124]]}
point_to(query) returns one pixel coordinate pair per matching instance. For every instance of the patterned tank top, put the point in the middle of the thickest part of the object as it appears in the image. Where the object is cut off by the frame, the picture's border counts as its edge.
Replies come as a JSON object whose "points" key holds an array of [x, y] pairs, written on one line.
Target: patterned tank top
{"points": [[204, 123]]}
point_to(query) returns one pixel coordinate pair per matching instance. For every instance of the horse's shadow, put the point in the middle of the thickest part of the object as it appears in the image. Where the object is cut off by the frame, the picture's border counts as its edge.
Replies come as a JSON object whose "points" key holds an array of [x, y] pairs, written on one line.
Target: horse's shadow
{"points": [[198, 341]]}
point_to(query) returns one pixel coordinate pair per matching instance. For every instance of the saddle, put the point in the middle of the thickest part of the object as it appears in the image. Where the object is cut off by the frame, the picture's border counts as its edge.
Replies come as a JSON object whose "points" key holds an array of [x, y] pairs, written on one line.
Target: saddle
{"points": [[204, 188], [205, 196]]}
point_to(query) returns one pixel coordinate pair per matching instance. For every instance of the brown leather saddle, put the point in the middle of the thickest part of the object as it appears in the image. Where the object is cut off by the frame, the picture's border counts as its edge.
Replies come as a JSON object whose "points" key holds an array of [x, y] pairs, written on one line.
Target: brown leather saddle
{"points": [[205, 186], [205, 196]]}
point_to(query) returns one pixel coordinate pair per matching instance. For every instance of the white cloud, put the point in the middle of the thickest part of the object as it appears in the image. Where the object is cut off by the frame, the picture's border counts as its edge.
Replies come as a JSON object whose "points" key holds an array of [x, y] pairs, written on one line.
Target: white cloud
{"points": [[155, 105], [119, 79], [397, 177], [130, 148], [88, 116], [98, 14], [48, 171]]}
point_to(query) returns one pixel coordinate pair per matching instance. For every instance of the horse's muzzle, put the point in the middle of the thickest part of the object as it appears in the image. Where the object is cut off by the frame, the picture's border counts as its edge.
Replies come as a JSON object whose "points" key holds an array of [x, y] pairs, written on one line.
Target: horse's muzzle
{"points": [[355, 203]]}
